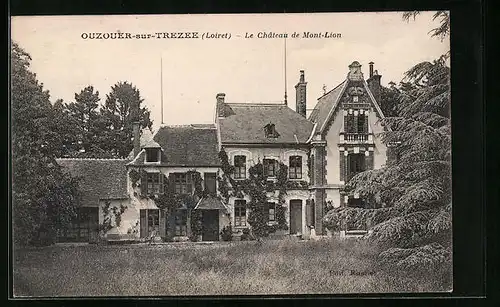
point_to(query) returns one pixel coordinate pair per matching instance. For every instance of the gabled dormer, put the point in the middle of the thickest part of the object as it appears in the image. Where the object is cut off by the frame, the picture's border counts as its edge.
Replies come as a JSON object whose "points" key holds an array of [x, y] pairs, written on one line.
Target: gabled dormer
{"points": [[153, 152]]}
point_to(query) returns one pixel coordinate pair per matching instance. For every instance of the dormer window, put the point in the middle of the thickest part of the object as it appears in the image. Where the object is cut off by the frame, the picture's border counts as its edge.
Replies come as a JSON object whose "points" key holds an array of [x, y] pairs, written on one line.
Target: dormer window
{"points": [[270, 131], [153, 154]]}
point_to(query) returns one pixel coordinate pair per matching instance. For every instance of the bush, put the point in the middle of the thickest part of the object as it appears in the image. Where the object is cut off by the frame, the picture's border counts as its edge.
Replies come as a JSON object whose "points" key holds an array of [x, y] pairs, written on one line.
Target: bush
{"points": [[247, 235], [227, 233]]}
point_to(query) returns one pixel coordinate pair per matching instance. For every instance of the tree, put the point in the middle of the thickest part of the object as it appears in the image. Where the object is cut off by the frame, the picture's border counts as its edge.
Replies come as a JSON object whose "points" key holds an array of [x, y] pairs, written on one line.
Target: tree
{"points": [[43, 198], [411, 197], [121, 109], [389, 100], [442, 31], [84, 112]]}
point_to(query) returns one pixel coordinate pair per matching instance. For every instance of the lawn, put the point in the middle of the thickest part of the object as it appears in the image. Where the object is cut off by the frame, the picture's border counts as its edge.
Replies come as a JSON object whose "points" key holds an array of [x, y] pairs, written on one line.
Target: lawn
{"points": [[239, 268]]}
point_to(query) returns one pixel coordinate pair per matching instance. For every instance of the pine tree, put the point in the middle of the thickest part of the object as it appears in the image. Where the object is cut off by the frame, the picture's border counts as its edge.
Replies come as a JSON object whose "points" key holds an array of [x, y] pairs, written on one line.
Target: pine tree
{"points": [[411, 195], [43, 198], [118, 116]]}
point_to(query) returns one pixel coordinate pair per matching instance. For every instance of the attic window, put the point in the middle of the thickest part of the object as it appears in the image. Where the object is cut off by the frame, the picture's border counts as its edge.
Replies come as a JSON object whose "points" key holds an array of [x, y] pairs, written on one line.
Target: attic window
{"points": [[270, 131], [152, 155]]}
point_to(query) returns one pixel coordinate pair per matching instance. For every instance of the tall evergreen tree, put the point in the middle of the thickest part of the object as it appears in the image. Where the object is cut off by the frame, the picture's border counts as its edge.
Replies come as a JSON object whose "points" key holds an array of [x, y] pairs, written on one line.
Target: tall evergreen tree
{"points": [[118, 115], [43, 198], [85, 113], [410, 198]]}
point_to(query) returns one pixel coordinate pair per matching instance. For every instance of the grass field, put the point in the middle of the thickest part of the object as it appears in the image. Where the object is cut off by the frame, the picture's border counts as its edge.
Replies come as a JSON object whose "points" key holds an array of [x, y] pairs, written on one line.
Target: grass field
{"points": [[239, 268]]}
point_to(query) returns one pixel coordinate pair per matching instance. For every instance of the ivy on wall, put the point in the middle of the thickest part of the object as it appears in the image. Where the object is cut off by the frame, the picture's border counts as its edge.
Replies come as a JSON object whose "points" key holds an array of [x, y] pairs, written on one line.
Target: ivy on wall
{"points": [[257, 186], [169, 200], [108, 213]]}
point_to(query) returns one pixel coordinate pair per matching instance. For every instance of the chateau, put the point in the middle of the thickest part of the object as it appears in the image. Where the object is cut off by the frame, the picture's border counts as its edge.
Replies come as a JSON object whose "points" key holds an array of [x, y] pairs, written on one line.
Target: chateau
{"points": [[184, 164]]}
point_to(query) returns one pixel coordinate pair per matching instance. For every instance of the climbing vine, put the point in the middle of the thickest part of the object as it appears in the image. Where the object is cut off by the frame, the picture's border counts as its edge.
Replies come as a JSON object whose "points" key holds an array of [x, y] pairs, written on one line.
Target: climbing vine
{"points": [[108, 214], [168, 201], [257, 187], [134, 177]]}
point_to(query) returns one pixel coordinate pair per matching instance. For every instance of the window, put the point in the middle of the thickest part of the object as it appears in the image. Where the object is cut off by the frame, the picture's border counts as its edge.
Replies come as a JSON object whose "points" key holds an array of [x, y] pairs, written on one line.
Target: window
{"points": [[153, 183], [181, 222], [356, 164], [240, 212], [210, 183], [354, 99], [240, 167], [270, 131], [362, 124], [272, 211], [270, 167], [349, 123], [84, 228], [149, 222], [152, 154], [295, 167], [182, 184]]}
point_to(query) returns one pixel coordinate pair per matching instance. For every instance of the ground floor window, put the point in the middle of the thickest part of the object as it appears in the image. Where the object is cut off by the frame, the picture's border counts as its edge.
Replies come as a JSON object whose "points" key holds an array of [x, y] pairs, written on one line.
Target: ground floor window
{"points": [[150, 221], [181, 222], [271, 211], [84, 228], [240, 212]]}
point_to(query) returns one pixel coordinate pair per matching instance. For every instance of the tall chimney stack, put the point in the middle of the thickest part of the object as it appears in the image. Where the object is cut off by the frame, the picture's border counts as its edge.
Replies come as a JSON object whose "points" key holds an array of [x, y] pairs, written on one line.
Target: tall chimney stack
{"points": [[374, 83], [221, 110], [300, 95]]}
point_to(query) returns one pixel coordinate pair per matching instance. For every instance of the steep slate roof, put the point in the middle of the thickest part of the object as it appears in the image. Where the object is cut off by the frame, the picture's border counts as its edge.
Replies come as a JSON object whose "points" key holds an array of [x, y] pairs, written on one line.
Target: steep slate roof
{"points": [[245, 124], [325, 103], [99, 178], [330, 101], [187, 145]]}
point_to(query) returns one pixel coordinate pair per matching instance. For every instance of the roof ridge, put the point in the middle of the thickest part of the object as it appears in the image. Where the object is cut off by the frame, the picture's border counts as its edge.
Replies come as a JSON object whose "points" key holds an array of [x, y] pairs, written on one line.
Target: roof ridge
{"points": [[332, 89], [256, 104], [95, 159]]}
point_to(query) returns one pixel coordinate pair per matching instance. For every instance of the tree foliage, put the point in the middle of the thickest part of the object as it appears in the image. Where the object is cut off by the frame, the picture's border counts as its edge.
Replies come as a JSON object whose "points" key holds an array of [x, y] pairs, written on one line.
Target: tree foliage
{"points": [[412, 193], [44, 198], [442, 31], [121, 109]]}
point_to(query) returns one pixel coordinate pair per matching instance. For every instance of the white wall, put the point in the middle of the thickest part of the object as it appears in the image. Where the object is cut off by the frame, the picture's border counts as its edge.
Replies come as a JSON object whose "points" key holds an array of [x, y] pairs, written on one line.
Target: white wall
{"points": [[332, 139], [254, 155], [380, 150]]}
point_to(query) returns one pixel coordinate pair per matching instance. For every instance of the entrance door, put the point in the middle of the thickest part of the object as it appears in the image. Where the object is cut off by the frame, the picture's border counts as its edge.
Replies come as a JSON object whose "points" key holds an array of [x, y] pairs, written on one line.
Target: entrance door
{"points": [[295, 216], [210, 230]]}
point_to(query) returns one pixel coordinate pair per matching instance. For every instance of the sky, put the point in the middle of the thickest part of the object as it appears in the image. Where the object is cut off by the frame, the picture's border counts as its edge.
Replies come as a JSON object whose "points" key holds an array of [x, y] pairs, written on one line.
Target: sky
{"points": [[195, 70]]}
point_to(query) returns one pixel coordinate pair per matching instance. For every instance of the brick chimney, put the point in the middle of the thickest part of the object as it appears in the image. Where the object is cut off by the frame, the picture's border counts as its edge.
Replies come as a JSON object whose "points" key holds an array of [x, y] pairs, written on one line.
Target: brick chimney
{"points": [[300, 95], [221, 110], [374, 82]]}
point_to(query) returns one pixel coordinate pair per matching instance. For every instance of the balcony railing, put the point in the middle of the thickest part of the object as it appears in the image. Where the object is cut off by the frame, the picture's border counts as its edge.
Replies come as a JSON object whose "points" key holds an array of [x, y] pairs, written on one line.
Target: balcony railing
{"points": [[356, 137]]}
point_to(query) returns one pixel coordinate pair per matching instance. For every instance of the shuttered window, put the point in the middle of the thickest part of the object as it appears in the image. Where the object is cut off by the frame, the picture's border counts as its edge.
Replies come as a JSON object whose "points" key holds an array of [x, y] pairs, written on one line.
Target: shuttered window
{"points": [[153, 183], [182, 183]]}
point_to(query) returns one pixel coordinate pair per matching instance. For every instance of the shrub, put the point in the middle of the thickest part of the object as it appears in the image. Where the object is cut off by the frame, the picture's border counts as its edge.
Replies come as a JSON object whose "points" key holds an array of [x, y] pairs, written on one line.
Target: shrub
{"points": [[247, 235], [227, 233]]}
